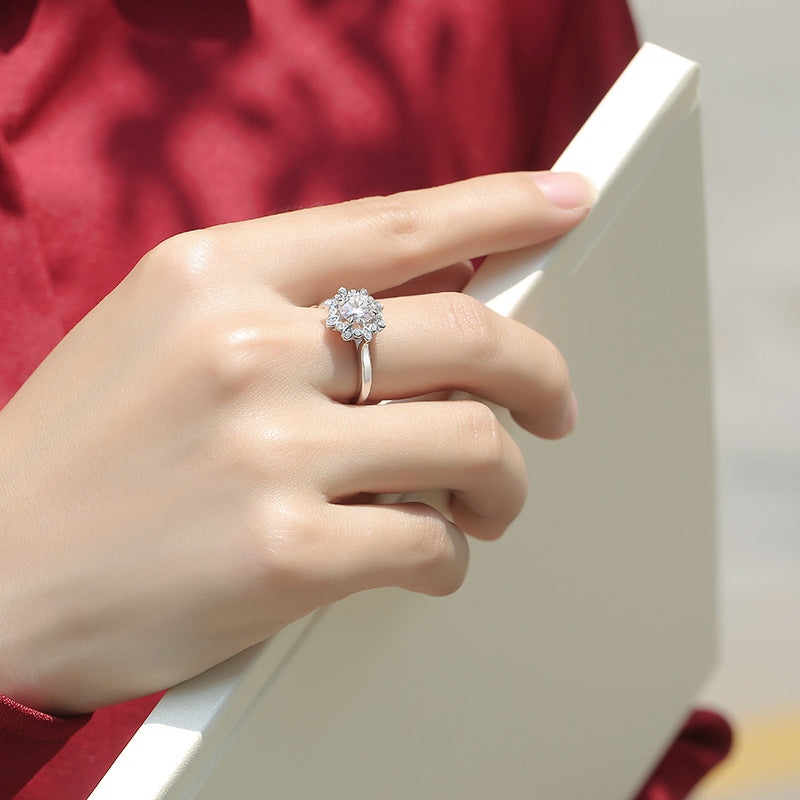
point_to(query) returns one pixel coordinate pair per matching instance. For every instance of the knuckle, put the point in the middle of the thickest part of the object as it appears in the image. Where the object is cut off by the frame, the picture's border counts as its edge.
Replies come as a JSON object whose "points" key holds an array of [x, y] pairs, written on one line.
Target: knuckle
{"points": [[232, 357], [397, 221], [557, 371], [183, 262], [486, 437], [518, 490], [557, 392], [236, 350], [521, 484], [475, 326], [281, 541], [529, 192], [441, 557]]}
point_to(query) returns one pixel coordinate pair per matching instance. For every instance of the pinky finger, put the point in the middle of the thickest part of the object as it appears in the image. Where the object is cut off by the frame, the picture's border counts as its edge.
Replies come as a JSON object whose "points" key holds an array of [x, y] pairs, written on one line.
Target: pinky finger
{"points": [[409, 545]]}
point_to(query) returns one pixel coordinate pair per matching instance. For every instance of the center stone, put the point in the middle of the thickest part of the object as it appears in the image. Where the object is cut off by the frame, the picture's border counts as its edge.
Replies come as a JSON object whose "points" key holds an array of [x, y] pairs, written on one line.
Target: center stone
{"points": [[357, 308]]}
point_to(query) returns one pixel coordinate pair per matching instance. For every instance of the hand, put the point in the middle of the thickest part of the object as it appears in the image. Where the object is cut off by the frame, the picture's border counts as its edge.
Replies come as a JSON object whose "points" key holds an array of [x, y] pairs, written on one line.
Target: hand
{"points": [[184, 474]]}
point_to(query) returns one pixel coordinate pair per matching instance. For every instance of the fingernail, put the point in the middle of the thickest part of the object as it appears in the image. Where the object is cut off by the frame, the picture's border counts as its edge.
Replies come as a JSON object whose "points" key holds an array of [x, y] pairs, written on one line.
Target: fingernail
{"points": [[572, 414], [567, 190]]}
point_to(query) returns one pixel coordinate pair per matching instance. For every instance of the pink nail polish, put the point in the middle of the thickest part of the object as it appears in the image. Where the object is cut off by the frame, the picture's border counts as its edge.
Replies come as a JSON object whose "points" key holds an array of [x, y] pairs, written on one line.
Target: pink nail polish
{"points": [[567, 190]]}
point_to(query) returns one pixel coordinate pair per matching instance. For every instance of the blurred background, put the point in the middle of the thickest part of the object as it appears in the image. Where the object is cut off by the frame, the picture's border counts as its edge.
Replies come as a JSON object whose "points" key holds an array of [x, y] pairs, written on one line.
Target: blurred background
{"points": [[750, 59]]}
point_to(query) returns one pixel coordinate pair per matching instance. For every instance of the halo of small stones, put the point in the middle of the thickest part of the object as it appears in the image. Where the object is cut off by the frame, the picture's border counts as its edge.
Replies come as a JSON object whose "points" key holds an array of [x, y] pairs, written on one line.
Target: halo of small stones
{"points": [[354, 328]]}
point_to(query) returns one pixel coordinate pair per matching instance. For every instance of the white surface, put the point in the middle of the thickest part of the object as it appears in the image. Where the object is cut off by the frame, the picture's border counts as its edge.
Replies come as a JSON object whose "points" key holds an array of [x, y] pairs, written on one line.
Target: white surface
{"points": [[751, 110], [581, 637], [751, 97], [196, 720]]}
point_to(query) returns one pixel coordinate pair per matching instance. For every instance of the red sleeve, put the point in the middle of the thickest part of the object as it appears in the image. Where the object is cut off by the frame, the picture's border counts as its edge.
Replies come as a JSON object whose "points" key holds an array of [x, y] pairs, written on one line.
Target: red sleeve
{"points": [[704, 741], [592, 43], [28, 740]]}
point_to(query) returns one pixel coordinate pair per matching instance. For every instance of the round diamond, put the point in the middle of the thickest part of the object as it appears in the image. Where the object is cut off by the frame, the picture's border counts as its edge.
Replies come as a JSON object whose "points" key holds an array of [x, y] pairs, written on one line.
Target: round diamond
{"points": [[358, 308], [355, 314]]}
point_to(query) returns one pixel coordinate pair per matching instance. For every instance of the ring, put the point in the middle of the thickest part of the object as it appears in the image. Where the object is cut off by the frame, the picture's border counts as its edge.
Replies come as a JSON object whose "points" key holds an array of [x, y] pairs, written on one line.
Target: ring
{"points": [[356, 315]]}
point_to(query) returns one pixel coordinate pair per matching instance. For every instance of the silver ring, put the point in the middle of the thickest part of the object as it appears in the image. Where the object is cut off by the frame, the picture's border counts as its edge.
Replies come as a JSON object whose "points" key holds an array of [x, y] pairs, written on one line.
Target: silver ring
{"points": [[356, 315]]}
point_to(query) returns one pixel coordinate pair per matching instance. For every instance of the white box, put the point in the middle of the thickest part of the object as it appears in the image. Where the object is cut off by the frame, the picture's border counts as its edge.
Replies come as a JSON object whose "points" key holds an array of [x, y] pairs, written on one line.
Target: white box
{"points": [[565, 664]]}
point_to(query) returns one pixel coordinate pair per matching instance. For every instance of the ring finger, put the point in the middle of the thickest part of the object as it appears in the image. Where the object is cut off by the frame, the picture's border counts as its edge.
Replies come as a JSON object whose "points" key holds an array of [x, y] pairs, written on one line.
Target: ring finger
{"points": [[450, 341]]}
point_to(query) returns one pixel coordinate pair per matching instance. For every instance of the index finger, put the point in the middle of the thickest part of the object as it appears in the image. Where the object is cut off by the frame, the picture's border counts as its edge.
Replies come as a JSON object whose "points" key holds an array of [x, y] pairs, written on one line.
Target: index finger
{"points": [[379, 242]]}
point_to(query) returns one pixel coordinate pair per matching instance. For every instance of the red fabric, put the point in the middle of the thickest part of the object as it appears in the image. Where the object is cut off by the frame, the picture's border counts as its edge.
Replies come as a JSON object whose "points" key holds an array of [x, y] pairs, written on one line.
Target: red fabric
{"points": [[76, 754], [704, 741], [27, 734], [123, 123]]}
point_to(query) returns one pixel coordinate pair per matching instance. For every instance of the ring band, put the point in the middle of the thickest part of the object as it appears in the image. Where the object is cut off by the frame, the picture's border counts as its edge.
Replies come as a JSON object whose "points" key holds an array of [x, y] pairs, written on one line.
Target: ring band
{"points": [[366, 373], [357, 316]]}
